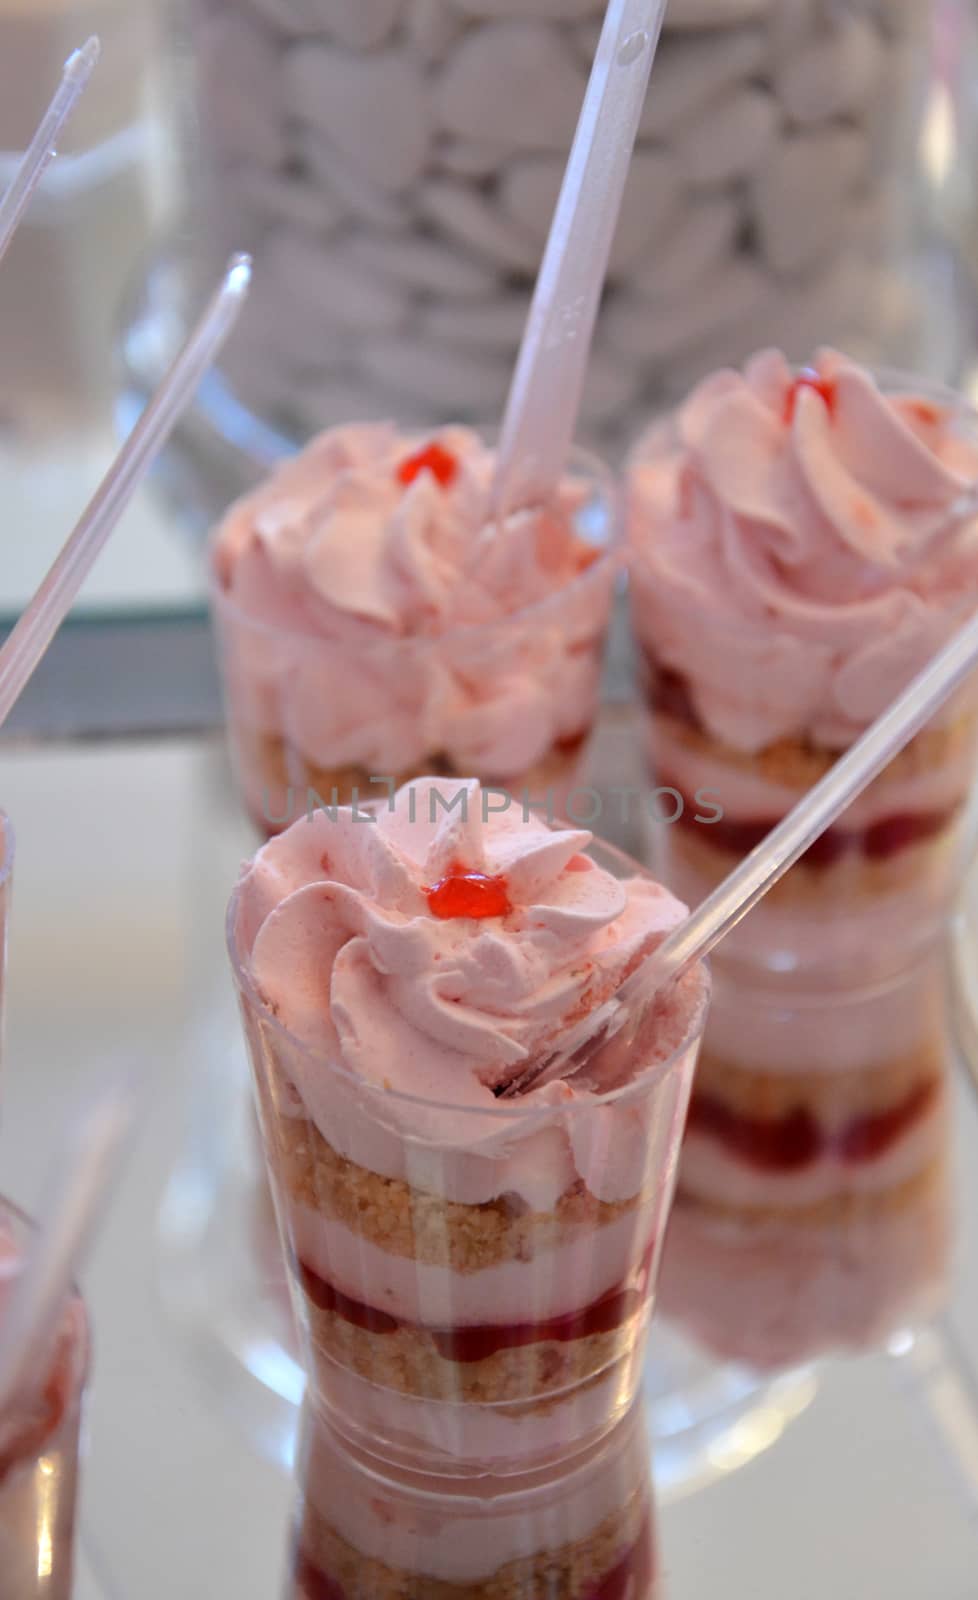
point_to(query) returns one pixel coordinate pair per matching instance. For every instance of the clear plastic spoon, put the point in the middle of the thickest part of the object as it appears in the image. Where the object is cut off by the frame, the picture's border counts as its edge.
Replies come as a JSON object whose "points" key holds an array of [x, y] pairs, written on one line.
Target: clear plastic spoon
{"points": [[42, 150], [545, 397], [824, 803], [47, 610]]}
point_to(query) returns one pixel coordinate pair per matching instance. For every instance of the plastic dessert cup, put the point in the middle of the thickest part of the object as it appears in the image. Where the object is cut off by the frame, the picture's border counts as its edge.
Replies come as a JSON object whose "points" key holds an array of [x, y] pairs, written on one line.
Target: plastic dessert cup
{"points": [[336, 688], [39, 1446], [472, 1282], [813, 1209], [773, 643], [585, 1534]]}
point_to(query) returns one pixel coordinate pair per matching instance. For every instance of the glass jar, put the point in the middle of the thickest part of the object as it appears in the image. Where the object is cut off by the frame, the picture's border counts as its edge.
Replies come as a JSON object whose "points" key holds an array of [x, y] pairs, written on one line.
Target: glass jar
{"points": [[92, 218], [394, 166]]}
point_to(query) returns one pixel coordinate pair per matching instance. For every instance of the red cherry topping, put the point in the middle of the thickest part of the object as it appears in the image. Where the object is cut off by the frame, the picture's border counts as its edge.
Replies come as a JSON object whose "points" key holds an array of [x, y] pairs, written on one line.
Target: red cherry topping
{"points": [[468, 894], [809, 379], [433, 458]]}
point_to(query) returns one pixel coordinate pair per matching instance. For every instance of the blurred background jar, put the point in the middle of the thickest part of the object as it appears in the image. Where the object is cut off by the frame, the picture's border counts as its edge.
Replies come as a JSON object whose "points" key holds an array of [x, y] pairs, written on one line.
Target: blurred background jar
{"points": [[394, 165], [92, 219], [91, 228]]}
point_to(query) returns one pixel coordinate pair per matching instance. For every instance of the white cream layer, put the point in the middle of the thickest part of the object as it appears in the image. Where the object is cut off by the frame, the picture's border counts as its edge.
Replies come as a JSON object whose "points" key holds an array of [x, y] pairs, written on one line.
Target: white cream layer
{"points": [[551, 1285]]}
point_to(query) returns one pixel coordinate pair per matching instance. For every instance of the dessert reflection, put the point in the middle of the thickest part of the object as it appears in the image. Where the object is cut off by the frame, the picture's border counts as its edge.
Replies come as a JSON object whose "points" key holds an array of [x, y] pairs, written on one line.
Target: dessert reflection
{"points": [[813, 1207], [586, 1533], [40, 1431]]}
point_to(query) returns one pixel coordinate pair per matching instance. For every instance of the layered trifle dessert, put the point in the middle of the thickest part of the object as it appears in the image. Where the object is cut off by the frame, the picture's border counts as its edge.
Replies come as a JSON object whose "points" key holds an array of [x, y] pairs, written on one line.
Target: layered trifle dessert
{"points": [[472, 1100], [39, 1441], [585, 1534], [377, 623], [801, 545], [813, 1208]]}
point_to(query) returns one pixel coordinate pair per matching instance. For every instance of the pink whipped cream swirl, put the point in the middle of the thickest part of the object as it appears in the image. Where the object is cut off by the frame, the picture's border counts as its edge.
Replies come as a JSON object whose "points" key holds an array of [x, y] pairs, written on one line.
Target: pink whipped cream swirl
{"points": [[390, 624], [335, 927], [801, 546]]}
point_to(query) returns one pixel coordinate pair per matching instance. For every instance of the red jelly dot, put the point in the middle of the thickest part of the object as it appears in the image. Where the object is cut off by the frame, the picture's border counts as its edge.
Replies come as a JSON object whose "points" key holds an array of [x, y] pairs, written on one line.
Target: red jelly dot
{"points": [[434, 458], [468, 894], [809, 379]]}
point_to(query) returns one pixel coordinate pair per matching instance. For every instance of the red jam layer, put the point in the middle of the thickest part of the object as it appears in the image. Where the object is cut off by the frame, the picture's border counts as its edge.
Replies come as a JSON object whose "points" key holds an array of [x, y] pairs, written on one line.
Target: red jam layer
{"points": [[670, 696], [631, 1579], [878, 842], [310, 1581], [481, 1340], [797, 1140]]}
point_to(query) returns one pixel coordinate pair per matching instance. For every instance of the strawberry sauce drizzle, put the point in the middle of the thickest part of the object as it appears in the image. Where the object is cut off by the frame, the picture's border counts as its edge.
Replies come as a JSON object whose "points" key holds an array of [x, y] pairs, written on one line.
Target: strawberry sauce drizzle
{"points": [[433, 458], [468, 894]]}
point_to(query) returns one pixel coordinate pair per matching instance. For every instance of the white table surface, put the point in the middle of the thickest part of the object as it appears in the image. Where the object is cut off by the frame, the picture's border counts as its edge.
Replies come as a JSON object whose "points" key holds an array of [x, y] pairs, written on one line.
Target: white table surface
{"points": [[125, 855]]}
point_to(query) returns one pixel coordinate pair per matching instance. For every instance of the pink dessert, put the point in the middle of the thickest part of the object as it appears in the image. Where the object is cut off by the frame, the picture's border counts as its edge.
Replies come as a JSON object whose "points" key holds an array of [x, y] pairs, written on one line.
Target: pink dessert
{"points": [[374, 626], [39, 1439], [801, 546], [813, 1207], [474, 1272], [585, 1534]]}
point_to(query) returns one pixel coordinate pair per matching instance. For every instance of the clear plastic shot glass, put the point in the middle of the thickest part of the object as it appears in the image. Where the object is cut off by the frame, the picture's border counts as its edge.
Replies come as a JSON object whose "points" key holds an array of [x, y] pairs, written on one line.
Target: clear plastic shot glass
{"points": [[473, 1284]]}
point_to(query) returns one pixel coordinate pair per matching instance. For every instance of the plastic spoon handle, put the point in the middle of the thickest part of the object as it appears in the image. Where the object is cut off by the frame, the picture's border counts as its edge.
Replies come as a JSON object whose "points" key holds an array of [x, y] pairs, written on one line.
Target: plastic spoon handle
{"points": [[823, 804], [86, 1166], [78, 69], [50, 605], [544, 400]]}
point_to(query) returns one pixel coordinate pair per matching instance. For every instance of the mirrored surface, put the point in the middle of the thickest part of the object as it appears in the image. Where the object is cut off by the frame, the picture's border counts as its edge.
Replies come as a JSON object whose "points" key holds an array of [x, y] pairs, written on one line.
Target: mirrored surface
{"points": [[856, 1476]]}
